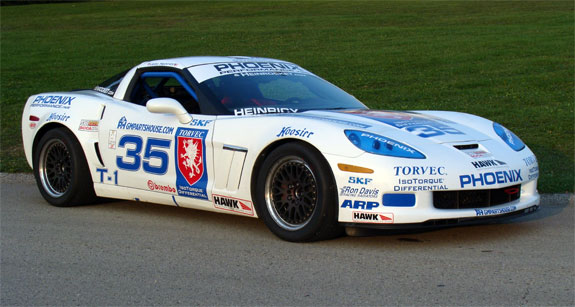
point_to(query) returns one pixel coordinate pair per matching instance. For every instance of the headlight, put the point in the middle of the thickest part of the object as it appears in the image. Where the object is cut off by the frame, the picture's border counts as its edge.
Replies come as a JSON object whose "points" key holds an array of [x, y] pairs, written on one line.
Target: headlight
{"points": [[380, 145], [508, 137]]}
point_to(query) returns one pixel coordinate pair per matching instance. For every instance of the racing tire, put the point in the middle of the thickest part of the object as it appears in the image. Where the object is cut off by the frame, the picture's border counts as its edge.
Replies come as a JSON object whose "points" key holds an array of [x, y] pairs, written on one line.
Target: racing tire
{"points": [[296, 195], [61, 170]]}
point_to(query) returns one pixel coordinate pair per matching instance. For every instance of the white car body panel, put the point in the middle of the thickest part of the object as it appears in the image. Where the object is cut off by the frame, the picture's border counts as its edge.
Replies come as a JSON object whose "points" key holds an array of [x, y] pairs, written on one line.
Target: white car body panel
{"points": [[108, 128]]}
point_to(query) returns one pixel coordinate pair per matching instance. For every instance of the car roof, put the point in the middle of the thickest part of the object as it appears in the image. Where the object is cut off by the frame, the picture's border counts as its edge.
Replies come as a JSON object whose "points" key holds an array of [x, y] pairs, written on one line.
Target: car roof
{"points": [[185, 62]]}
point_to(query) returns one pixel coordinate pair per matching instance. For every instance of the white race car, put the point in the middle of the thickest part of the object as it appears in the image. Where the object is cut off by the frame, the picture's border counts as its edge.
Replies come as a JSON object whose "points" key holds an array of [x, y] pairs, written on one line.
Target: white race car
{"points": [[266, 138]]}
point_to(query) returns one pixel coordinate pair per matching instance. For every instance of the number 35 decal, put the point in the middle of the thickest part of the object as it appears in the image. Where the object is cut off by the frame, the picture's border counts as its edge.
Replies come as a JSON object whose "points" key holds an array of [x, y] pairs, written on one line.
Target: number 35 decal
{"points": [[155, 160]]}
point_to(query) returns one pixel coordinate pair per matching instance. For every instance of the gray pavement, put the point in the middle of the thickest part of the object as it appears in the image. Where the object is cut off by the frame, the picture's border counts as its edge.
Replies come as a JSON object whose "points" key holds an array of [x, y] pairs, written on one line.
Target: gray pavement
{"points": [[128, 253]]}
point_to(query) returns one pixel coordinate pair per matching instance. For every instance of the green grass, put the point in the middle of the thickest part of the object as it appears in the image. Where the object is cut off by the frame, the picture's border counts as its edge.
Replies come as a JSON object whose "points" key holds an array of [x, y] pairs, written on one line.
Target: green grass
{"points": [[512, 62]]}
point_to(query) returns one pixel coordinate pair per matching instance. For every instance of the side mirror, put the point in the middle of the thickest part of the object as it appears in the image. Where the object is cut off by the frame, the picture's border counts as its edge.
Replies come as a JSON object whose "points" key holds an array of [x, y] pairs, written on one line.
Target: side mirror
{"points": [[170, 106]]}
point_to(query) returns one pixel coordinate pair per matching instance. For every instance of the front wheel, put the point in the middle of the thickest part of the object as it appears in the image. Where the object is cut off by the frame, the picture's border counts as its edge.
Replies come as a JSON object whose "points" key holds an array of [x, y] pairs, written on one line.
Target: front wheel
{"points": [[61, 171], [296, 194]]}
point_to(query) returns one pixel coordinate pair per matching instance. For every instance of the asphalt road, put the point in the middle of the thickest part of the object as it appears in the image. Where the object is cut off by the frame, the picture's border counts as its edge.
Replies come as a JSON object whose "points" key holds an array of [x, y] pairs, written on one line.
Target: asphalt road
{"points": [[127, 253]]}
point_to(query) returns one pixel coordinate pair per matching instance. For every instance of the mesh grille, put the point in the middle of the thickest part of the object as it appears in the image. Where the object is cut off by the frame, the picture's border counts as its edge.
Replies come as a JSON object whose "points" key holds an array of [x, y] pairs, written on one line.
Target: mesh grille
{"points": [[475, 198]]}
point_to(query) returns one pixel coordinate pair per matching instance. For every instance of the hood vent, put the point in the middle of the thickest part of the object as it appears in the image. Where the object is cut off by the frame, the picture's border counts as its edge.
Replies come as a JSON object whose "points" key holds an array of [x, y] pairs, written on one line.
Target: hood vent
{"points": [[466, 146]]}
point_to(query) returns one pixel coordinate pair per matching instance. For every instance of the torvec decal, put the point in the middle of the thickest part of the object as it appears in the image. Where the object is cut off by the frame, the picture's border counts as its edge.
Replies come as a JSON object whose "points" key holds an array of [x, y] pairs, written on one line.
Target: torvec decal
{"points": [[192, 178]]}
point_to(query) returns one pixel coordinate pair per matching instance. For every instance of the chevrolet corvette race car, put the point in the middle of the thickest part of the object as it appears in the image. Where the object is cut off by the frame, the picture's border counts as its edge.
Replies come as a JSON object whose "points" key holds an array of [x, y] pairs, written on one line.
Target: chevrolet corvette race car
{"points": [[266, 138]]}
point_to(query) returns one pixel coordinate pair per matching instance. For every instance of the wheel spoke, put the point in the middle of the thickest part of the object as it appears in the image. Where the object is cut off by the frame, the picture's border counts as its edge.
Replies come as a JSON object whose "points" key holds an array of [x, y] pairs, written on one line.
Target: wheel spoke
{"points": [[293, 193]]}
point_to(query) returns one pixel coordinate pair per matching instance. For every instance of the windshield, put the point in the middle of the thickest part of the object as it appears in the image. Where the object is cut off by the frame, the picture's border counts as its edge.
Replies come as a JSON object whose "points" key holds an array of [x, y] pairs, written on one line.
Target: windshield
{"points": [[282, 90]]}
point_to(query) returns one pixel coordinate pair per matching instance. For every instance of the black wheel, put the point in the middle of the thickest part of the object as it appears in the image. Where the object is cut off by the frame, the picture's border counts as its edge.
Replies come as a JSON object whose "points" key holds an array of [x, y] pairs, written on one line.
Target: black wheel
{"points": [[61, 171], [296, 194]]}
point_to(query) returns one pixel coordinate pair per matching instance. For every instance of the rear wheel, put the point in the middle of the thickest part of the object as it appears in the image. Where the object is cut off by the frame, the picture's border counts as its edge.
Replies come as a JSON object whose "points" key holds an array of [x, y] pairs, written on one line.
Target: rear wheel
{"points": [[296, 194], [61, 171]]}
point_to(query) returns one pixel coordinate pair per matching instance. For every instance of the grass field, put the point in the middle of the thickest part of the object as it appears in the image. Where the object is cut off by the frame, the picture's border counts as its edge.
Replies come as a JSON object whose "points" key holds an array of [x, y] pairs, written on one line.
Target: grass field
{"points": [[512, 62]]}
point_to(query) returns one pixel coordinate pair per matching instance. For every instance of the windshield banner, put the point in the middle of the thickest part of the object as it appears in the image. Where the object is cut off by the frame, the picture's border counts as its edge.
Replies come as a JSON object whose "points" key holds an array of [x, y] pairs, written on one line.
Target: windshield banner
{"points": [[244, 69]]}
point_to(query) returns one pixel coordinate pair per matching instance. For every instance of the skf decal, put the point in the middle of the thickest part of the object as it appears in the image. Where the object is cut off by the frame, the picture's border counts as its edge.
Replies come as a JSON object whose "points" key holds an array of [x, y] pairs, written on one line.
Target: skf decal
{"points": [[233, 204], [192, 179], [376, 218], [491, 178], [359, 204], [359, 180]]}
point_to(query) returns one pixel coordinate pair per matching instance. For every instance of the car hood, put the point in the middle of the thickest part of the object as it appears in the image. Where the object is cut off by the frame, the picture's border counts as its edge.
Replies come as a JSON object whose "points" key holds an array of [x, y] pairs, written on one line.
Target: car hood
{"points": [[432, 128]]}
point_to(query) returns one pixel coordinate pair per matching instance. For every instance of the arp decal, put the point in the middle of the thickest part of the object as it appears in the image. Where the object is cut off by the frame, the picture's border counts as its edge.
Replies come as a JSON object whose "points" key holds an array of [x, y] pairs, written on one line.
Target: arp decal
{"points": [[233, 204], [376, 218], [359, 204], [192, 177]]}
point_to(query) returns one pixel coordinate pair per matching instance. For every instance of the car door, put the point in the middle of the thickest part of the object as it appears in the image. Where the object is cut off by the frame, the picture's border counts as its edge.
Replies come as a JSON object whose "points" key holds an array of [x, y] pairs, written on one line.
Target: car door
{"points": [[154, 156]]}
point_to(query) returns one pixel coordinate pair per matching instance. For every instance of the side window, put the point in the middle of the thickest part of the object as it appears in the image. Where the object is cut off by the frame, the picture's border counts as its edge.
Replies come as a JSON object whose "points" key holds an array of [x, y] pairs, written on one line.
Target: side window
{"points": [[164, 84]]}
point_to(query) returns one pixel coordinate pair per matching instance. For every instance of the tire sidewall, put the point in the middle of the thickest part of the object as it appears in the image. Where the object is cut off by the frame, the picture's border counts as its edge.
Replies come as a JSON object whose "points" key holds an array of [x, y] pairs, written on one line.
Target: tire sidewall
{"points": [[325, 213], [81, 186]]}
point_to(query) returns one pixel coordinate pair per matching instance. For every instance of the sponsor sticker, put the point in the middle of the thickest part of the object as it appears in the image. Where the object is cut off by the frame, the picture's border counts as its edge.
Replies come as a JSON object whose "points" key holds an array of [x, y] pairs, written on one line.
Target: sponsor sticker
{"points": [[289, 131], [359, 204], [487, 163], [89, 125], [233, 204], [262, 110], [112, 139], [160, 188], [124, 124], [53, 101], [419, 178], [192, 178], [490, 178], [375, 218], [244, 68], [58, 117], [485, 212], [363, 192]]}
